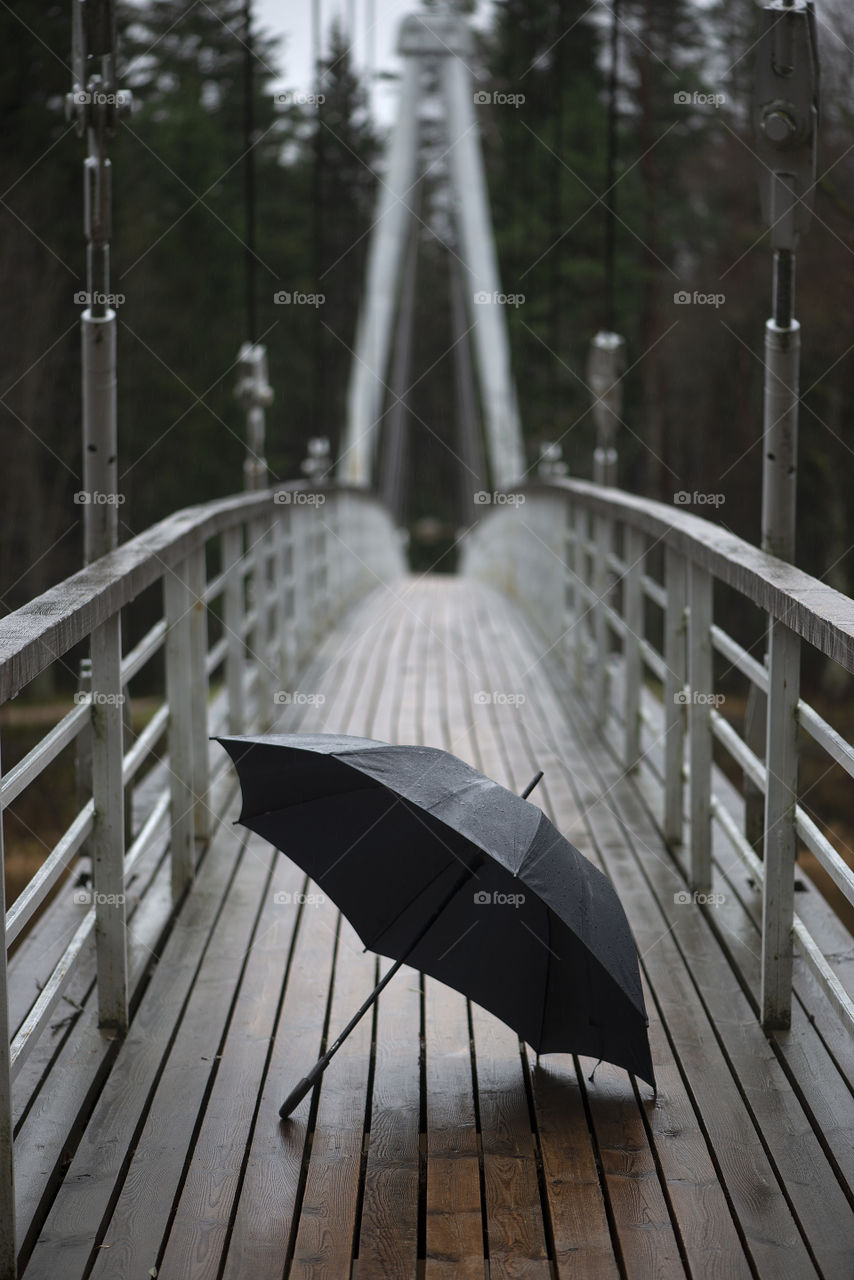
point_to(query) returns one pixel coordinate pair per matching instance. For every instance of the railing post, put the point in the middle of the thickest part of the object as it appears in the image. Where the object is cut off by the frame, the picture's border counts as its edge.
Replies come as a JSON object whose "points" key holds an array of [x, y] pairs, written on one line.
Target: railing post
{"points": [[108, 832], [179, 657], [700, 726], [602, 532], [567, 585], [633, 616], [781, 794], [233, 615], [83, 747], [582, 602], [8, 1244], [280, 577], [675, 619], [258, 643], [199, 692]]}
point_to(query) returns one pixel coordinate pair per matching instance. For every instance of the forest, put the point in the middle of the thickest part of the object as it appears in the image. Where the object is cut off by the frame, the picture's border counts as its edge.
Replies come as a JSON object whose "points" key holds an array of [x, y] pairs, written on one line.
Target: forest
{"points": [[686, 218]]}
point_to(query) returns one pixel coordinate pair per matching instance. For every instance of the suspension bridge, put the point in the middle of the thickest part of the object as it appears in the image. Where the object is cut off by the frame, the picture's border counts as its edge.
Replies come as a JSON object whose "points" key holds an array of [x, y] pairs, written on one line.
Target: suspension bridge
{"points": [[155, 1011]]}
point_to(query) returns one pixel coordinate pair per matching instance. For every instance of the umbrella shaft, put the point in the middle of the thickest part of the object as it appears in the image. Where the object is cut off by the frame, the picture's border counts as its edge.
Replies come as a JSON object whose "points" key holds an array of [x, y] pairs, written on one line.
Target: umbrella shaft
{"points": [[336, 1044]]}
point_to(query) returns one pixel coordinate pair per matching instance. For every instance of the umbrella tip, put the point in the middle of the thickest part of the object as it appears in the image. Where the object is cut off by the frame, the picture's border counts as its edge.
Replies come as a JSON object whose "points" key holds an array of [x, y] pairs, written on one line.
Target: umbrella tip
{"points": [[595, 1069], [534, 781]]}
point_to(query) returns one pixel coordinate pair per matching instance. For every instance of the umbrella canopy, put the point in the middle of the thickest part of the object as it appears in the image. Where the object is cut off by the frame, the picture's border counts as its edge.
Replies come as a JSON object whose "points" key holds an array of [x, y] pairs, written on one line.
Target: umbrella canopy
{"points": [[530, 929]]}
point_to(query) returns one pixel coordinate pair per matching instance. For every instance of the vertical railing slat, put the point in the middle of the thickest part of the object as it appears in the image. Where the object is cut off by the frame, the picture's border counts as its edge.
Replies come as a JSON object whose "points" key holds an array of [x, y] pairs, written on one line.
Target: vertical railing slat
{"points": [[280, 578], [179, 654], [675, 622], [108, 832], [199, 693], [700, 726], [633, 615], [601, 574], [259, 641], [8, 1244], [233, 609], [580, 524], [780, 843]]}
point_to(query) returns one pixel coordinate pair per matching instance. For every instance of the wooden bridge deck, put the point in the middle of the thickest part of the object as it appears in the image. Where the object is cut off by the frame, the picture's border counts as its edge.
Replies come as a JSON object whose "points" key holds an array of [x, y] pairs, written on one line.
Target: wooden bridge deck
{"points": [[436, 1147]]}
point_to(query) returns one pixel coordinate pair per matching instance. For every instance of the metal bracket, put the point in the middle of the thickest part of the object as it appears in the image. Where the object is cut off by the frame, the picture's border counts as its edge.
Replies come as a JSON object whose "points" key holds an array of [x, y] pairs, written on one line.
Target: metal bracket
{"points": [[254, 394], [785, 108], [605, 366]]}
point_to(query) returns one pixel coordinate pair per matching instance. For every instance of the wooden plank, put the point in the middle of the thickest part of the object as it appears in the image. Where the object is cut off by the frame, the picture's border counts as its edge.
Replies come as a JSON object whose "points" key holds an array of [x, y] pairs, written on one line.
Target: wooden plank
{"points": [[199, 1063], [454, 1214], [124, 1136], [265, 1227], [324, 1243], [515, 1227], [454, 1210], [572, 1133], [199, 1229], [712, 1245], [388, 1236], [517, 1243], [364, 660], [388, 1232], [263, 1219], [574, 1193], [582, 1236], [649, 1245]]}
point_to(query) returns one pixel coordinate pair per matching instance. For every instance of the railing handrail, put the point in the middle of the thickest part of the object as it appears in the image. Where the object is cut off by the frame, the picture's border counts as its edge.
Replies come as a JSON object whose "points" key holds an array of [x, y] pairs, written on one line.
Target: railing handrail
{"points": [[817, 612], [39, 632]]}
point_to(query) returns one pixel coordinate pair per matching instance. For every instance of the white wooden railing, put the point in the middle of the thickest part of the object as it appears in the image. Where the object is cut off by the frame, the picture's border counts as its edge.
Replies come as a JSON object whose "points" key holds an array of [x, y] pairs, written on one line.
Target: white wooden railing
{"points": [[578, 559], [286, 562]]}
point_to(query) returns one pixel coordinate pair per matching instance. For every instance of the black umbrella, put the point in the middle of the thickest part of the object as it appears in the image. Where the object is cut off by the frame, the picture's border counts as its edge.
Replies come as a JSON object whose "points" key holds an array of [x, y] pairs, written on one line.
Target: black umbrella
{"points": [[436, 865]]}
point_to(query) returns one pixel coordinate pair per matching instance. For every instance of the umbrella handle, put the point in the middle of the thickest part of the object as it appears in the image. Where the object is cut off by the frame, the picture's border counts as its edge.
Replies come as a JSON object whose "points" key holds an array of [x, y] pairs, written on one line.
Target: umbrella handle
{"points": [[303, 1087]]}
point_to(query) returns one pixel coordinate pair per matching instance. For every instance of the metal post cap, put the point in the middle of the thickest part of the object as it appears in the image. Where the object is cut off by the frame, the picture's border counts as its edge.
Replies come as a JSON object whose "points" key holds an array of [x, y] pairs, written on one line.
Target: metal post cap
{"points": [[435, 33]]}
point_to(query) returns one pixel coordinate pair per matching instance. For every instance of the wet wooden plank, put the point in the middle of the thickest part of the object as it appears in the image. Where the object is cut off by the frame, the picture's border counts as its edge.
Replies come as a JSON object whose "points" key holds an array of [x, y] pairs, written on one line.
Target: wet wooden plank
{"points": [[388, 1235], [454, 1211], [324, 1243], [515, 1229], [694, 1199], [582, 1236], [388, 1232], [139, 1220], [199, 1228], [263, 1218], [454, 1244], [264, 1228]]}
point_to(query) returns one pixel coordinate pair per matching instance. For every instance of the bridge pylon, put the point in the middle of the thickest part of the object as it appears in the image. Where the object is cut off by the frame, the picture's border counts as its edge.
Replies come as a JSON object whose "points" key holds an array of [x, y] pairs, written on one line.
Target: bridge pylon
{"points": [[436, 47]]}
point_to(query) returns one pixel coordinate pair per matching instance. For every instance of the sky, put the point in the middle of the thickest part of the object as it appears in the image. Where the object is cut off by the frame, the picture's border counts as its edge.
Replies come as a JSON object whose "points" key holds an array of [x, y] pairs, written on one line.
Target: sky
{"points": [[375, 23]]}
